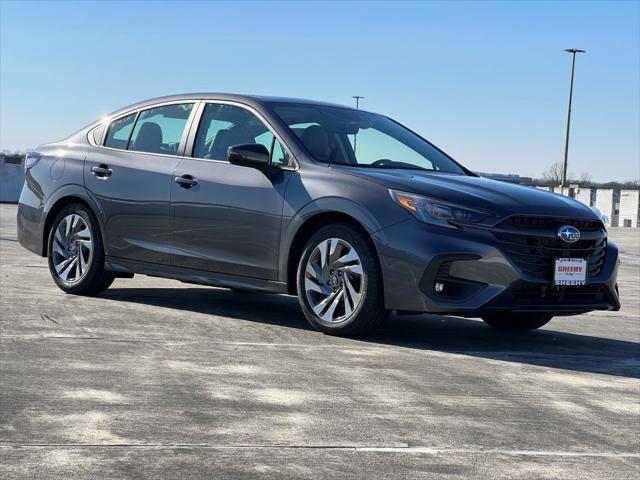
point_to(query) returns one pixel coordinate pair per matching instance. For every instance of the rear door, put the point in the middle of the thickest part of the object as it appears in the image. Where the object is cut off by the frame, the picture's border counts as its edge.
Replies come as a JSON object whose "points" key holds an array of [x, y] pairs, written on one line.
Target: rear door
{"points": [[226, 218], [130, 178]]}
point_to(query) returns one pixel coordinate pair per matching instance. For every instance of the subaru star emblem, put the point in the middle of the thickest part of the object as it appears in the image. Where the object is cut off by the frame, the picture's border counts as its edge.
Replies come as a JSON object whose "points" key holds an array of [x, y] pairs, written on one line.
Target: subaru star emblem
{"points": [[569, 234]]}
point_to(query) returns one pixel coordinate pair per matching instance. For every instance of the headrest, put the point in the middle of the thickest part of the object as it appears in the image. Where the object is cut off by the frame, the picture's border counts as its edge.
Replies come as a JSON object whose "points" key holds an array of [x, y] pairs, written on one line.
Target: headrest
{"points": [[316, 139], [149, 138]]}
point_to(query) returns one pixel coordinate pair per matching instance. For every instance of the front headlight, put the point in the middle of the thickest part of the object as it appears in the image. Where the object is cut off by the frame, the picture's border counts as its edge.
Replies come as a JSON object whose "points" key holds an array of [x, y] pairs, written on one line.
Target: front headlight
{"points": [[436, 212]]}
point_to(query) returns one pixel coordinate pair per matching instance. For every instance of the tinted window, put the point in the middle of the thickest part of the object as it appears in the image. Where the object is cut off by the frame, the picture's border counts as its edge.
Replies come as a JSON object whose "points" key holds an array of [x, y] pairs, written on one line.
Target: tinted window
{"points": [[266, 139], [370, 145], [119, 132], [279, 156], [159, 130], [223, 126], [361, 139]]}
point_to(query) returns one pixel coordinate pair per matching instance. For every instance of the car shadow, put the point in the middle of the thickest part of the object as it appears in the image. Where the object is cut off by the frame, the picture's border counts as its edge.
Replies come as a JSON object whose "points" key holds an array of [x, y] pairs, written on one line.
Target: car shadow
{"points": [[545, 347]]}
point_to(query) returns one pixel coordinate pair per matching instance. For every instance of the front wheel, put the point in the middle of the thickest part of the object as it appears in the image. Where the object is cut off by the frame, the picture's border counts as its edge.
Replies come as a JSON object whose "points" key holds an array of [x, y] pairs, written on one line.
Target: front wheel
{"points": [[75, 252], [340, 283], [517, 321]]}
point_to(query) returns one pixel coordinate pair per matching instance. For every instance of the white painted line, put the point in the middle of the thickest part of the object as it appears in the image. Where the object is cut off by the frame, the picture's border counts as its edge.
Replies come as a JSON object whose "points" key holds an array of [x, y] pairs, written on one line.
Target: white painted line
{"points": [[351, 448], [473, 451]]}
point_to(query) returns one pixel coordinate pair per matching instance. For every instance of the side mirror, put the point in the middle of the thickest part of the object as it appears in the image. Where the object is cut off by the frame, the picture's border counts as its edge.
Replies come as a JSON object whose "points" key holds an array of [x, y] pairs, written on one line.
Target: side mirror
{"points": [[251, 155]]}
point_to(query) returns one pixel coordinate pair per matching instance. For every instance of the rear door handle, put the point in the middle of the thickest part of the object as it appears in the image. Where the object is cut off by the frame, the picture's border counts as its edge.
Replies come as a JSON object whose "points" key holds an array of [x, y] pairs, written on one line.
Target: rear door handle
{"points": [[186, 181], [101, 171]]}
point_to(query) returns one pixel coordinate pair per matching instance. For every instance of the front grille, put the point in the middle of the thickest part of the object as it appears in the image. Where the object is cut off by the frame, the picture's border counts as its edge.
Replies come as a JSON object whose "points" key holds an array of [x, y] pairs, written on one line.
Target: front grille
{"points": [[559, 294], [528, 296], [552, 223], [535, 247]]}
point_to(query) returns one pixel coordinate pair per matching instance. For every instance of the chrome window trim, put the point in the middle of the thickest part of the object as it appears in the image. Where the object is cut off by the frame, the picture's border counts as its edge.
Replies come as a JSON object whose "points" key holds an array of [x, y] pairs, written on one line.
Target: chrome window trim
{"points": [[136, 112], [90, 134], [191, 129]]}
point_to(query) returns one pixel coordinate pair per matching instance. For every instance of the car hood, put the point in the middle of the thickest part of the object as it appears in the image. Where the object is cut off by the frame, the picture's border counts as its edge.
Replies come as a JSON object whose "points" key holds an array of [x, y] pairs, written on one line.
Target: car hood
{"points": [[500, 198]]}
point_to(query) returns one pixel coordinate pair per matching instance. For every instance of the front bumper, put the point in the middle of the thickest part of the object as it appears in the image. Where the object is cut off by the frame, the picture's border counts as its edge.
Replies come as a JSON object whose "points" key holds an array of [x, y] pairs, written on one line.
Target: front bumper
{"points": [[478, 275]]}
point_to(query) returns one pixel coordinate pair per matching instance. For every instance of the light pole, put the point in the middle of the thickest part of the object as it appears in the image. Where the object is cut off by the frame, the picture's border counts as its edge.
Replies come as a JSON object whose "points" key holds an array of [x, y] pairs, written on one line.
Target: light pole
{"points": [[357, 98], [573, 52]]}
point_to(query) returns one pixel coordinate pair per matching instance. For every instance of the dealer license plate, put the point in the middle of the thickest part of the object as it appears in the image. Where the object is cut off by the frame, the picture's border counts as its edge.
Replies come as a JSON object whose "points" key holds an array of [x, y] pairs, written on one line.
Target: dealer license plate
{"points": [[570, 271]]}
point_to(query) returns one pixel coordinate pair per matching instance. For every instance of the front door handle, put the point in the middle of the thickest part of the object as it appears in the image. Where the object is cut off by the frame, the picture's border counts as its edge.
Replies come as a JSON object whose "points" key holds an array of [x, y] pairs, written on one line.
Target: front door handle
{"points": [[102, 171], [186, 181]]}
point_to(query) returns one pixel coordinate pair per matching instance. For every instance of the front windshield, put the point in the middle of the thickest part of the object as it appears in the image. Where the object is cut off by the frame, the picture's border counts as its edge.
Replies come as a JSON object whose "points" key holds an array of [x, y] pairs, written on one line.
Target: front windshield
{"points": [[361, 139]]}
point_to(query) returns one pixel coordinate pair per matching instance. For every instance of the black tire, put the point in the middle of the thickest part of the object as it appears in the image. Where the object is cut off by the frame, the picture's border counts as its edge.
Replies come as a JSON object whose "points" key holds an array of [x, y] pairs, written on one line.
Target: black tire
{"points": [[370, 312], [95, 278], [517, 321]]}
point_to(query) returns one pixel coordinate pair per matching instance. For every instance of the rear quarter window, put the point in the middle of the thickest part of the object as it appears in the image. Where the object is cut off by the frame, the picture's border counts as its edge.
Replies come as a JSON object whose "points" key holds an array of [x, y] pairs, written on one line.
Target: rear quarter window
{"points": [[95, 136], [119, 132]]}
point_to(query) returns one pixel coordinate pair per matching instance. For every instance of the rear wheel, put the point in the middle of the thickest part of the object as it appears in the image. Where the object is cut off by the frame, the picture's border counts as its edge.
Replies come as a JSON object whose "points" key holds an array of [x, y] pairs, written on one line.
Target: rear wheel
{"points": [[75, 252], [340, 283], [518, 321]]}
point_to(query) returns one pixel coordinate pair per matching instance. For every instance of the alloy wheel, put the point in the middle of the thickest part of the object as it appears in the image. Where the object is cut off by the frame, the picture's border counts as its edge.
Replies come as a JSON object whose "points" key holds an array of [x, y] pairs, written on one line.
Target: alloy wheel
{"points": [[72, 249], [334, 280]]}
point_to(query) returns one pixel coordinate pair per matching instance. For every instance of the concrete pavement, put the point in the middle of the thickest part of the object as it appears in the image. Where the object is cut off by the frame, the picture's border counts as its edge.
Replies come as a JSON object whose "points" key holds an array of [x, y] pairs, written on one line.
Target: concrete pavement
{"points": [[157, 379]]}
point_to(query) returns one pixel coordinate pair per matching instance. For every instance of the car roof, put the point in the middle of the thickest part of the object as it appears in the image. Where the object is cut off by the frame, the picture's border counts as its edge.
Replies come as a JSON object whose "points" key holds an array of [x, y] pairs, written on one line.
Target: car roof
{"points": [[252, 100]]}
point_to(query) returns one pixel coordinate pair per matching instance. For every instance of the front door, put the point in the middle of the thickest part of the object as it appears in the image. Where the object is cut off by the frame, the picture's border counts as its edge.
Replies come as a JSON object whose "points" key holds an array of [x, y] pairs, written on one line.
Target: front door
{"points": [[226, 218], [130, 178]]}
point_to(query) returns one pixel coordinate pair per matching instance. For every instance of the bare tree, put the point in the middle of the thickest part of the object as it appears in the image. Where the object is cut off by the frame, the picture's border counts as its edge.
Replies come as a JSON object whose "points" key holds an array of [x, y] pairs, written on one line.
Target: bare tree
{"points": [[553, 176], [13, 153], [585, 179]]}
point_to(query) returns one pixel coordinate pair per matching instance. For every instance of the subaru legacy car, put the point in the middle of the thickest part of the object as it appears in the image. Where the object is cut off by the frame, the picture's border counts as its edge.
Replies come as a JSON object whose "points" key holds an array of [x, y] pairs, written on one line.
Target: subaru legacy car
{"points": [[349, 210]]}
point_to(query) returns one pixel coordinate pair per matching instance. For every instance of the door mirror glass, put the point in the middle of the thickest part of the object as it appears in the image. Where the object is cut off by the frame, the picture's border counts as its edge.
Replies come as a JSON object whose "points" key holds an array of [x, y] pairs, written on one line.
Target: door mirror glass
{"points": [[252, 155]]}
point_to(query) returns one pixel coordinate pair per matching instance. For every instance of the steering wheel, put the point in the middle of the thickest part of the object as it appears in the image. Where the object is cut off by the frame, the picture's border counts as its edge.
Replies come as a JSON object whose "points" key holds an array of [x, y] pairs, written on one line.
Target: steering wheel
{"points": [[383, 162]]}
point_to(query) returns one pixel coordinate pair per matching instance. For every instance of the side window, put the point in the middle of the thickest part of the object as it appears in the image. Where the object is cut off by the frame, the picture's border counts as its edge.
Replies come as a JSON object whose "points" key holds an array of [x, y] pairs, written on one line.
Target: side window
{"points": [[266, 139], [223, 126], [119, 132], [279, 156], [159, 130]]}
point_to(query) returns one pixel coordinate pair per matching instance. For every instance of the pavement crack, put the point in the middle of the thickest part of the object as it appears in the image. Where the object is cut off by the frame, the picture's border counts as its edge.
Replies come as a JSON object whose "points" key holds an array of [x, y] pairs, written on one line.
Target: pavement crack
{"points": [[46, 317]]}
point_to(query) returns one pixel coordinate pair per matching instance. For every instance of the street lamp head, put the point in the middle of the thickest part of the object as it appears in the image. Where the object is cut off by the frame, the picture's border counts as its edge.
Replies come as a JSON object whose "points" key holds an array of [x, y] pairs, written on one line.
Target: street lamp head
{"points": [[574, 50], [357, 98]]}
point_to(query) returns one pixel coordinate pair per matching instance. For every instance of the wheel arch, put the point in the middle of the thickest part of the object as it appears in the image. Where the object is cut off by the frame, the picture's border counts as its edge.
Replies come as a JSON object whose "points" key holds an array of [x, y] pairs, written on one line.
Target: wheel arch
{"points": [[57, 206], [304, 232]]}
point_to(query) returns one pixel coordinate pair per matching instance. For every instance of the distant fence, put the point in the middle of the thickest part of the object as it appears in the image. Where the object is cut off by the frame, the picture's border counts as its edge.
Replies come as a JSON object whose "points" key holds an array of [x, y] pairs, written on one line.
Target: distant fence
{"points": [[11, 177], [621, 206]]}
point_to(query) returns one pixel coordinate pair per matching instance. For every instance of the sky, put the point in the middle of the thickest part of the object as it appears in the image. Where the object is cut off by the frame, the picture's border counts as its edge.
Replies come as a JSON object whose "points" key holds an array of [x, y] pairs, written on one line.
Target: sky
{"points": [[487, 82]]}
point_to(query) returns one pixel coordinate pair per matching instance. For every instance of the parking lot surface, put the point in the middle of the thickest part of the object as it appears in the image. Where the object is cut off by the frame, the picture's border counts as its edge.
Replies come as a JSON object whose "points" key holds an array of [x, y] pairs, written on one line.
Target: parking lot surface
{"points": [[159, 379]]}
